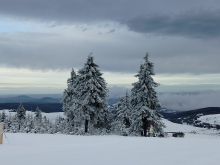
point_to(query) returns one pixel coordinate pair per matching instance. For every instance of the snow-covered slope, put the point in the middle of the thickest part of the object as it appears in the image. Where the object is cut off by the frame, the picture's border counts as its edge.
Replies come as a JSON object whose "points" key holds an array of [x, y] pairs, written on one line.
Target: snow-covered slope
{"points": [[173, 127], [47, 149], [201, 148], [211, 119], [198, 118]]}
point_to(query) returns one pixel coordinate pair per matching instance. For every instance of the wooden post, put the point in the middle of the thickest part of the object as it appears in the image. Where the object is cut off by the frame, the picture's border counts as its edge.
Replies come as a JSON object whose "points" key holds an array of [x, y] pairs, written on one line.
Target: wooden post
{"points": [[1, 132]]}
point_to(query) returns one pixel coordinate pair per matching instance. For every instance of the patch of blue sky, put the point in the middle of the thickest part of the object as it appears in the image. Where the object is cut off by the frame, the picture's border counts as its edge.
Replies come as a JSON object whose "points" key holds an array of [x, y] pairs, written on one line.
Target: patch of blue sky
{"points": [[12, 26]]}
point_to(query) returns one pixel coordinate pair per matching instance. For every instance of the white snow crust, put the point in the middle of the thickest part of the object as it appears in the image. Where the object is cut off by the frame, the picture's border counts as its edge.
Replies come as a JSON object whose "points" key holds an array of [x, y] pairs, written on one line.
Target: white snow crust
{"points": [[201, 148]]}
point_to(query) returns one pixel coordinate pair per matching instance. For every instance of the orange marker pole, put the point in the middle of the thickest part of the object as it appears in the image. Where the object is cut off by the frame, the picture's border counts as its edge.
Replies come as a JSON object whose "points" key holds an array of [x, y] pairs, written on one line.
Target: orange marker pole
{"points": [[1, 132]]}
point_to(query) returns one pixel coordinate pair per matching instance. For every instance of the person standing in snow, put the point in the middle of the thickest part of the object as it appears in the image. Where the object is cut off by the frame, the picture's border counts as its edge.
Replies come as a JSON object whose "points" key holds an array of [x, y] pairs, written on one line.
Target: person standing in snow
{"points": [[151, 131]]}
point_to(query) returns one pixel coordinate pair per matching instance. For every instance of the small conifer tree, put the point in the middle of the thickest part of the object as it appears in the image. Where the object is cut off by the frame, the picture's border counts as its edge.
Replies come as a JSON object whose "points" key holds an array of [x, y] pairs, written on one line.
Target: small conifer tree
{"points": [[122, 120], [38, 115], [68, 96], [21, 113], [3, 116]]}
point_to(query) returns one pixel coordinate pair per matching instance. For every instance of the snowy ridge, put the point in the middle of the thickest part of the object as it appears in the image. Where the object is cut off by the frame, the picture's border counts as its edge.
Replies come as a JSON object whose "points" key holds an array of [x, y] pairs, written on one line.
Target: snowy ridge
{"points": [[211, 119], [193, 117]]}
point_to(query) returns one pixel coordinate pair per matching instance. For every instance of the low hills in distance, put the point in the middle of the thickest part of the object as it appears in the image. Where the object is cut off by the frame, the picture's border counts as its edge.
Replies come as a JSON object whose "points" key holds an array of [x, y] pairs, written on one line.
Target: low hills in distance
{"points": [[44, 107], [27, 99], [46, 104]]}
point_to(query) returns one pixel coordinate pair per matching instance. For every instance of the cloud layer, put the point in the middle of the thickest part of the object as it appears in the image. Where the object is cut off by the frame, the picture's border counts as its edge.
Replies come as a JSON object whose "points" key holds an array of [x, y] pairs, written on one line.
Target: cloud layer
{"points": [[116, 52], [201, 24], [190, 101], [181, 101], [181, 36]]}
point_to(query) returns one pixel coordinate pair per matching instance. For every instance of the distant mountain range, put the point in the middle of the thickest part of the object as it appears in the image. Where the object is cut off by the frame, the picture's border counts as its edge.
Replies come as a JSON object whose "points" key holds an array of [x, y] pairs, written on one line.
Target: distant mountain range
{"points": [[44, 107], [46, 104], [27, 99]]}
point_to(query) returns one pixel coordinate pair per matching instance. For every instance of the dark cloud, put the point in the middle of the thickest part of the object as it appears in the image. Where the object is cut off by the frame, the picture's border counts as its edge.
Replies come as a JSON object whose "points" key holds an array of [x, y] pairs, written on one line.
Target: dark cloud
{"points": [[201, 24], [148, 16], [119, 52], [93, 10], [69, 11]]}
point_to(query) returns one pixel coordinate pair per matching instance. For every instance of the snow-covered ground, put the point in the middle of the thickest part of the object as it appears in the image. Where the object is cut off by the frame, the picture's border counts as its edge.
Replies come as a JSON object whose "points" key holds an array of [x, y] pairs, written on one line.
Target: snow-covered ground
{"points": [[46, 149], [201, 148], [211, 119]]}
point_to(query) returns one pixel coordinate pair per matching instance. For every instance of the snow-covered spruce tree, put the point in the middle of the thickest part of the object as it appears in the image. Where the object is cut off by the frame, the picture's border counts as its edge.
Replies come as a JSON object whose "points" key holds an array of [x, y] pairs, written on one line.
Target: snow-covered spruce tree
{"points": [[29, 123], [38, 115], [3, 116], [38, 121], [21, 115], [145, 102], [7, 124], [45, 123], [122, 120], [91, 111], [68, 96], [14, 124]]}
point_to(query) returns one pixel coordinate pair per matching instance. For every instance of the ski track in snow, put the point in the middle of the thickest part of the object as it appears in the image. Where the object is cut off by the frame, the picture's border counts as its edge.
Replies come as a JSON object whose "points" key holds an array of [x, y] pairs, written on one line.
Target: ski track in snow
{"points": [[59, 149]]}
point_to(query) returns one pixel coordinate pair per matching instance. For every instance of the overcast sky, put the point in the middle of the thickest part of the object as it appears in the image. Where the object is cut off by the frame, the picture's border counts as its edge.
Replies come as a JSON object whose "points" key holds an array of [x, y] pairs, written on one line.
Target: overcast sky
{"points": [[40, 41]]}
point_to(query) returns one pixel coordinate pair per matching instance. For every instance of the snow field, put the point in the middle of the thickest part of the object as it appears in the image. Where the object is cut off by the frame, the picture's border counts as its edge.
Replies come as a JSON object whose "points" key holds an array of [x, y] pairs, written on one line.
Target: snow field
{"points": [[46, 149], [201, 148]]}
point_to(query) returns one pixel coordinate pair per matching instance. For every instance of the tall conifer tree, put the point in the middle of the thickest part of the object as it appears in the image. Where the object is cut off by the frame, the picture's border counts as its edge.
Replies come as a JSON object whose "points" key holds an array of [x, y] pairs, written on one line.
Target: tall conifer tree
{"points": [[92, 107], [145, 102]]}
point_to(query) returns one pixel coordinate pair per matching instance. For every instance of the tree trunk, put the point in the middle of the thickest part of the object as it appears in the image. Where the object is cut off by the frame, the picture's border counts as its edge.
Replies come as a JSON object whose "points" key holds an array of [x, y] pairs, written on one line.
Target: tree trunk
{"points": [[144, 120], [86, 126]]}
